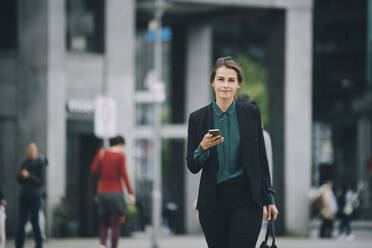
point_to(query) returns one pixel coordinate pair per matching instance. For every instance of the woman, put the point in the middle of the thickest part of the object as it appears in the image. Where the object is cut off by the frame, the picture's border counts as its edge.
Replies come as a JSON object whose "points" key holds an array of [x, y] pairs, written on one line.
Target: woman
{"points": [[235, 182], [109, 168]]}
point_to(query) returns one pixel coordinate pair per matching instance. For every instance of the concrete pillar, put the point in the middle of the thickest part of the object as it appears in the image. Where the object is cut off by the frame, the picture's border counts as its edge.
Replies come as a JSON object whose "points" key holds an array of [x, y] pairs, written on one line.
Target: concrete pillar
{"points": [[32, 74], [198, 94], [41, 96], [119, 80], [297, 118], [56, 99]]}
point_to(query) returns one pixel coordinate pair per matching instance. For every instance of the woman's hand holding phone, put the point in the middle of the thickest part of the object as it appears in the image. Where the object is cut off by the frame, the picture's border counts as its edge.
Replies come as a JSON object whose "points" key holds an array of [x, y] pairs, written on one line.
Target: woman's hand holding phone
{"points": [[210, 139]]}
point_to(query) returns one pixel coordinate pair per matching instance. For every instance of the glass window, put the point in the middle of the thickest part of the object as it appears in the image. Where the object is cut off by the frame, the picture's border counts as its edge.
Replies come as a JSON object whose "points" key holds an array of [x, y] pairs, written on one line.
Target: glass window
{"points": [[85, 25], [8, 25]]}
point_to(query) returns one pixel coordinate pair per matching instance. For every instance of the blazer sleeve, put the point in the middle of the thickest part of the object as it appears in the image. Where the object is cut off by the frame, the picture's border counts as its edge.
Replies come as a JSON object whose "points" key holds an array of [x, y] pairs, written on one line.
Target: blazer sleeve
{"points": [[192, 144], [267, 191]]}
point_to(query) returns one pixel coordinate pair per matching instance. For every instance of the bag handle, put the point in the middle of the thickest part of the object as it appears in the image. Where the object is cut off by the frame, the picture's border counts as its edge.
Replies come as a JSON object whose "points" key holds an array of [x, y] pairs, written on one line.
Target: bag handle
{"points": [[270, 231]]}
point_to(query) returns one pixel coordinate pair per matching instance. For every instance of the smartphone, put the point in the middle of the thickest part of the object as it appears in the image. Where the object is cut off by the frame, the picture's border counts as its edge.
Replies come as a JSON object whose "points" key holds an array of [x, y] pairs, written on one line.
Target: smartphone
{"points": [[214, 132]]}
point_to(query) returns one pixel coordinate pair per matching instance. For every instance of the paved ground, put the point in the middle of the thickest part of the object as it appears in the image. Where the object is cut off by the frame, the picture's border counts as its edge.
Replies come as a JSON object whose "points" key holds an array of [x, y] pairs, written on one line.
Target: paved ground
{"points": [[362, 232], [364, 241]]}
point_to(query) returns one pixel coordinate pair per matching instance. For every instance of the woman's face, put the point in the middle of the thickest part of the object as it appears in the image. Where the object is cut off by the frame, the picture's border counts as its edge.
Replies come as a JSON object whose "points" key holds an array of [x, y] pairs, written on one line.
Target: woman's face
{"points": [[225, 83]]}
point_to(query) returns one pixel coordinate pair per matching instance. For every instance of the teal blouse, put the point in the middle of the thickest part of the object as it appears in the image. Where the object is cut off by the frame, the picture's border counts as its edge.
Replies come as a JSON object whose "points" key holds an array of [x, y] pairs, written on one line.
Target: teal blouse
{"points": [[228, 150]]}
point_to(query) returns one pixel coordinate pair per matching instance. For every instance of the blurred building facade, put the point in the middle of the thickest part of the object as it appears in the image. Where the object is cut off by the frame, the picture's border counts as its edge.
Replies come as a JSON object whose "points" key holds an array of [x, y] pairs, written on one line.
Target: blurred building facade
{"points": [[57, 56]]}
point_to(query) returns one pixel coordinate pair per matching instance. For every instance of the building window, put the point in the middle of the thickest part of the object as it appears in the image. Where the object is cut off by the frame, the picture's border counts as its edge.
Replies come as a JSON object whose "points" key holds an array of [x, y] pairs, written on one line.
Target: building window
{"points": [[85, 25], [8, 25]]}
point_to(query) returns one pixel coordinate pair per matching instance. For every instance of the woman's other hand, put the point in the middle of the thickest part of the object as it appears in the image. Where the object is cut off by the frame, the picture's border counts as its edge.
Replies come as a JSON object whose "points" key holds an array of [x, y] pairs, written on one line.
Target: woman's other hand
{"points": [[210, 141], [264, 212], [272, 211], [132, 200]]}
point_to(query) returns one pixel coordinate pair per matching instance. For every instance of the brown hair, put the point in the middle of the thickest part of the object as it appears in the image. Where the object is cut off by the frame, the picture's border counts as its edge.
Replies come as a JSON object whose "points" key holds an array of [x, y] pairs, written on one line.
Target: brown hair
{"points": [[117, 140], [229, 62]]}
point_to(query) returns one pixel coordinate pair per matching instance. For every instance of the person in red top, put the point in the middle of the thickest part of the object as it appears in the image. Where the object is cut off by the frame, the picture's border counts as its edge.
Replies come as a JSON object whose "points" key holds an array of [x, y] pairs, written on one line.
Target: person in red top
{"points": [[110, 169]]}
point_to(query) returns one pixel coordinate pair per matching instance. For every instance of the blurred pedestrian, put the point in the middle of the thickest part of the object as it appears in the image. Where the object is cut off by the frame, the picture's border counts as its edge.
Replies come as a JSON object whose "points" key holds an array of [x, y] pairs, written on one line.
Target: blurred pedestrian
{"points": [[109, 167], [348, 200], [235, 182], [31, 179], [328, 209], [42, 222], [3, 205]]}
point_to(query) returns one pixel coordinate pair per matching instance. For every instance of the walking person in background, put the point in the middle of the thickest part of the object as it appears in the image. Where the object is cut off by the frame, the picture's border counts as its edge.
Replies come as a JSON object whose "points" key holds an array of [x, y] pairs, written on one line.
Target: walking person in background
{"points": [[235, 183], [109, 167], [31, 179], [3, 205], [347, 203], [328, 209]]}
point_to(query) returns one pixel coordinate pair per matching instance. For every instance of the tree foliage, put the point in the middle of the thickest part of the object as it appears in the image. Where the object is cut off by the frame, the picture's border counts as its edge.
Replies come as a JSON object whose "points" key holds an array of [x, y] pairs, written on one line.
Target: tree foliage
{"points": [[255, 84]]}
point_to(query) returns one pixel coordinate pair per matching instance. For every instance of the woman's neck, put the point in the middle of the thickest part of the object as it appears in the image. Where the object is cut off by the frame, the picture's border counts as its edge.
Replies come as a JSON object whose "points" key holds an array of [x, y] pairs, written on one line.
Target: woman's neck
{"points": [[223, 103]]}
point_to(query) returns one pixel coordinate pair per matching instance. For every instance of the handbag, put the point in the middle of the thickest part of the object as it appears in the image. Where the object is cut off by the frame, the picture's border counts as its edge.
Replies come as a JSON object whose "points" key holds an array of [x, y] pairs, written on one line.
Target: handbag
{"points": [[270, 230]]}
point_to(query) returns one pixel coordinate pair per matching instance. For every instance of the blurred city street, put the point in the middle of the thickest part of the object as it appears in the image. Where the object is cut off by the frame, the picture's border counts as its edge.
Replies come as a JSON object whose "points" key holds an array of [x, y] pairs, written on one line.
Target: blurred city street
{"points": [[362, 232], [106, 107], [198, 241]]}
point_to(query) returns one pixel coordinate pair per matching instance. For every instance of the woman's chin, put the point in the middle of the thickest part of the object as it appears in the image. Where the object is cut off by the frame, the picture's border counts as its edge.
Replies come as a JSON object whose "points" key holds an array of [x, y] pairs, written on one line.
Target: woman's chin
{"points": [[225, 96]]}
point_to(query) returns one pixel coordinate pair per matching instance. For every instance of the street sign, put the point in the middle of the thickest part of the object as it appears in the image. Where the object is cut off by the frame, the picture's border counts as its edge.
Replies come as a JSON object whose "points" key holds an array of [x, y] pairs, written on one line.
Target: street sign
{"points": [[156, 88], [105, 117]]}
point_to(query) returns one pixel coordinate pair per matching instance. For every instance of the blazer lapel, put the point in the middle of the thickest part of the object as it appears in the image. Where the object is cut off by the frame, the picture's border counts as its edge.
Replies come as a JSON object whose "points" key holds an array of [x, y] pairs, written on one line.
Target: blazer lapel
{"points": [[210, 120], [241, 122], [210, 125], [244, 131]]}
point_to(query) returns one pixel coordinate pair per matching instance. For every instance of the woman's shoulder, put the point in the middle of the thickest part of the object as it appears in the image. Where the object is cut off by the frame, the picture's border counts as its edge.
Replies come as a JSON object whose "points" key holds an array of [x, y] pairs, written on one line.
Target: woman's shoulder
{"points": [[248, 108]]}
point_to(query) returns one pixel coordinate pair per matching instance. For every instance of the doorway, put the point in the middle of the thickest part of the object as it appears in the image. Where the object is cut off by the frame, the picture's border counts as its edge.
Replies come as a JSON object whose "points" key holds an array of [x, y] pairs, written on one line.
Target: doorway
{"points": [[81, 186]]}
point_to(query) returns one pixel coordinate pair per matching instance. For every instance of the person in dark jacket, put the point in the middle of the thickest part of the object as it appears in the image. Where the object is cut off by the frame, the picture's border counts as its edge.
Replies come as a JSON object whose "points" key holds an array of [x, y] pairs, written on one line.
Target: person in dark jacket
{"points": [[235, 182], [31, 179]]}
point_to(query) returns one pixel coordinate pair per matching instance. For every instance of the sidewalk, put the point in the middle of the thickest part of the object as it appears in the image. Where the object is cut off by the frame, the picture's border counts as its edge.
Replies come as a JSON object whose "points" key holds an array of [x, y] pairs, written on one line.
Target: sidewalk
{"points": [[361, 230], [198, 242]]}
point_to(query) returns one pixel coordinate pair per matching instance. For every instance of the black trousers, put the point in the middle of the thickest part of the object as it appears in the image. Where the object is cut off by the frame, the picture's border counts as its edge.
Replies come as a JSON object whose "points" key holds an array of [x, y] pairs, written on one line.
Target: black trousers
{"points": [[326, 229], [236, 220], [29, 205]]}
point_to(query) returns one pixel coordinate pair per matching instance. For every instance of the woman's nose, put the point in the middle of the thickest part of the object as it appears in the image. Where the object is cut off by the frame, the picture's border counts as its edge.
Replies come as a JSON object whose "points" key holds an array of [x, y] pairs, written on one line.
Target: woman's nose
{"points": [[225, 83]]}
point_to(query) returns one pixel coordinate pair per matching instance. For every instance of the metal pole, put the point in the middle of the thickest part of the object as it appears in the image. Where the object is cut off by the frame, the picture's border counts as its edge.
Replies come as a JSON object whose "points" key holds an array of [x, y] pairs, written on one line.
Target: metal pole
{"points": [[369, 45], [156, 193]]}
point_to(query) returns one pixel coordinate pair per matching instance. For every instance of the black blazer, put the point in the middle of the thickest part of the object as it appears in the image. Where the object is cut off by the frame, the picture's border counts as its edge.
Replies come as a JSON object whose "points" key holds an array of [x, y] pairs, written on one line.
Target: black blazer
{"points": [[252, 155]]}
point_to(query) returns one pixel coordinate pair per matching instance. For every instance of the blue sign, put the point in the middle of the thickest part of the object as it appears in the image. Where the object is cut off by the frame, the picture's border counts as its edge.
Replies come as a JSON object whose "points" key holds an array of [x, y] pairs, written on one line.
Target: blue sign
{"points": [[166, 35]]}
